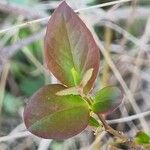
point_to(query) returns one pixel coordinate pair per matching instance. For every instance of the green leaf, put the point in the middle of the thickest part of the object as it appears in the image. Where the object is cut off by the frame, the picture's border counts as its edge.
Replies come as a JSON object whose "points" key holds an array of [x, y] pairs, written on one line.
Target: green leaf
{"points": [[70, 49], [107, 99], [93, 122], [142, 138], [24, 2], [75, 75], [29, 85], [55, 117], [11, 104]]}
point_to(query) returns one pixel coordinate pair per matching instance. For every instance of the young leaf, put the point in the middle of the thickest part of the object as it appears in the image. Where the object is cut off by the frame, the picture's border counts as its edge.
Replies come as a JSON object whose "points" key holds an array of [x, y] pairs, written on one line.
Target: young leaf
{"points": [[107, 99], [93, 122], [55, 117], [142, 138], [87, 76], [75, 75], [72, 90], [70, 49]]}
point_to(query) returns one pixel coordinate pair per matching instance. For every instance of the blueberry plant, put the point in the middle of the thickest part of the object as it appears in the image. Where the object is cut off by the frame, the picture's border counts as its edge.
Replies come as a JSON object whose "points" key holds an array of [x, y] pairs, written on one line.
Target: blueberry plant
{"points": [[61, 111]]}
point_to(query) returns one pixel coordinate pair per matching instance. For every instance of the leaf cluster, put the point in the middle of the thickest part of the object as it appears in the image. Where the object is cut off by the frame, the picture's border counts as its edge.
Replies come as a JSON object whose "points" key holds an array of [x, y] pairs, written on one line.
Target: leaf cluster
{"points": [[60, 111]]}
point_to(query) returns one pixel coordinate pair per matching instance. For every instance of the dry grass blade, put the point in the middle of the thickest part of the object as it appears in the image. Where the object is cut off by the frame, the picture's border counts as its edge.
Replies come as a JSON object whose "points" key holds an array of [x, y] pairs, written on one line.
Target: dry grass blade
{"points": [[3, 82], [129, 118], [120, 79], [14, 136], [29, 23]]}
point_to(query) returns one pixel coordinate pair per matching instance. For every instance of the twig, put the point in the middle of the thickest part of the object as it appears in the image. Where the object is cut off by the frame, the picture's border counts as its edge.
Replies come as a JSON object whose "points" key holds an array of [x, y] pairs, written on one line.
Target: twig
{"points": [[3, 83], [20, 127], [121, 31], [9, 51], [19, 10], [120, 79], [130, 20], [14, 136], [103, 5], [108, 38], [96, 141], [118, 134], [129, 118], [44, 144], [120, 120], [28, 23], [47, 18], [34, 61], [111, 130]]}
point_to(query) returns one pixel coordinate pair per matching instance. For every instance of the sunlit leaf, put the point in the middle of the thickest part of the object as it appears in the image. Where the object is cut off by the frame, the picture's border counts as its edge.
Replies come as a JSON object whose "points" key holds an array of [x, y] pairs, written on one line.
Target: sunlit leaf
{"points": [[72, 90], [87, 76], [107, 99], [11, 104], [75, 75], [55, 117], [70, 49], [142, 138]]}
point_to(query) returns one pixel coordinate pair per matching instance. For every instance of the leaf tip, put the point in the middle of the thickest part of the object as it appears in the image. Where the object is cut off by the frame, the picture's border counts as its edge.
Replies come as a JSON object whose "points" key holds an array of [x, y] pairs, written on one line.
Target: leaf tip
{"points": [[87, 76], [63, 4]]}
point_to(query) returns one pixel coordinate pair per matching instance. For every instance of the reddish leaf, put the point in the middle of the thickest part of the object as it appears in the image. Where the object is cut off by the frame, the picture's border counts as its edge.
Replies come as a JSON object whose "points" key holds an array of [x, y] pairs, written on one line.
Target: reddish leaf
{"points": [[58, 117], [70, 49]]}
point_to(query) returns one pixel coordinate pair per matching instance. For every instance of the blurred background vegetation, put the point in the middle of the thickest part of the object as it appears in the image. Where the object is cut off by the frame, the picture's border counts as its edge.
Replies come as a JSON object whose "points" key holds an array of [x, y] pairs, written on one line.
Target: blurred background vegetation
{"points": [[124, 30]]}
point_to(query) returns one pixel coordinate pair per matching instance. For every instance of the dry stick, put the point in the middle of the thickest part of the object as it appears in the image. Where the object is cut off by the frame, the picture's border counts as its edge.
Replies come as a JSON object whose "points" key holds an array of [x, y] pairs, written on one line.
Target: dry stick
{"points": [[121, 31], [132, 126], [134, 79], [120, 79], [111, 130], [44, 144], [120, 120], [129, 118], [9, 51], [93, 146], [33, 59], [29, 23], [14, 136], [47, 18], [126, 90], [106, 75], [118, 133], [3, 83], [103, 5], [19, 10], [130, 20], [123, 13]]}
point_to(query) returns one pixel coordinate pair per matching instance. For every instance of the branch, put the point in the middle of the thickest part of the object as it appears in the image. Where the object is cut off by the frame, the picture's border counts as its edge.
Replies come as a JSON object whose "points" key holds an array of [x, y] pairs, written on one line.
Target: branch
{"points": [[46, 18], [120, 79], [14, 136], [111, 130], [129, 118], [9, 51], [18, 10], [118, 134]]}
